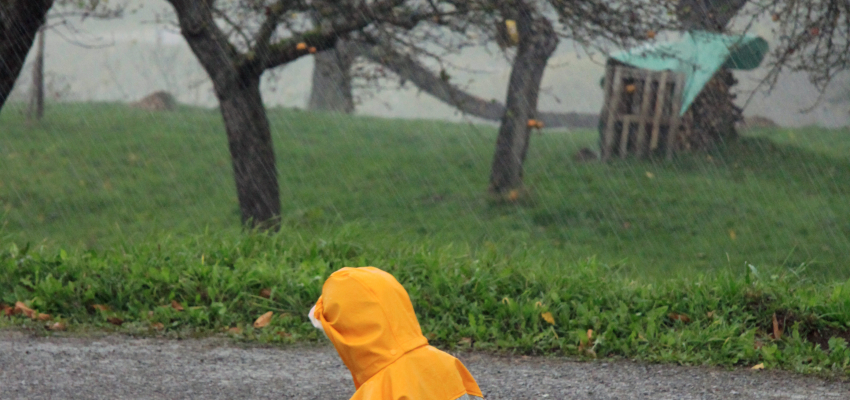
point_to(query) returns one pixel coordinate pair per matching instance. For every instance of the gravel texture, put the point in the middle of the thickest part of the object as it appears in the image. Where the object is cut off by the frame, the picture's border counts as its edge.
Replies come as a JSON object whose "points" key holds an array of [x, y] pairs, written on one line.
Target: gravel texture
{"points": [[119, 367]]}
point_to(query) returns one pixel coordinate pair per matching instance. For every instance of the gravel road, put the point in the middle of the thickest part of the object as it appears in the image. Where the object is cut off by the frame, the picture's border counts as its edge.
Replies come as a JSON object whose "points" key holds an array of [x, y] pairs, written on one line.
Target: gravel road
{"points": [[119, 367]]}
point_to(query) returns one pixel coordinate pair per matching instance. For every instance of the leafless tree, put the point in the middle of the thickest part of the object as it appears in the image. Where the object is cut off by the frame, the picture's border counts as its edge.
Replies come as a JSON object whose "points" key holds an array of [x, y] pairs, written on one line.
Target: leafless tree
{"points": [[810, 36], [237, 41]]}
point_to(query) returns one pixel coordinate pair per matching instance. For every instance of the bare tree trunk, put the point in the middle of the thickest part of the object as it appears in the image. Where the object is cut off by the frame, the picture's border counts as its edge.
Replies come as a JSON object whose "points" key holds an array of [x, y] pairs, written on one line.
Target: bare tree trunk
{"points": [[20, 20], [537, 43], [237, 88], [332, 80], [714, 110], [36, 107], [251, 151]]}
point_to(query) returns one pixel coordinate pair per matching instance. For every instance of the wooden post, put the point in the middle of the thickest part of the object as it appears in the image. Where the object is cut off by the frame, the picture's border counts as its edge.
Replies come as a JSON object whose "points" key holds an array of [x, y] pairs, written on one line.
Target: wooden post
{"points": [[624, 135], [673, 130], [643, 118], [659, 109], [606, 93], [629, 74], [613, 109]]}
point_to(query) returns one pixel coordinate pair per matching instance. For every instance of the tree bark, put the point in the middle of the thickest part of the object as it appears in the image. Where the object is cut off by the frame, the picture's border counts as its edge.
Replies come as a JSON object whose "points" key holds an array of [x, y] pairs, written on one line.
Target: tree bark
{"points": [[251, 151], [537, 43], [36, 107], [237, 87], [20, 20], [331, 89]]}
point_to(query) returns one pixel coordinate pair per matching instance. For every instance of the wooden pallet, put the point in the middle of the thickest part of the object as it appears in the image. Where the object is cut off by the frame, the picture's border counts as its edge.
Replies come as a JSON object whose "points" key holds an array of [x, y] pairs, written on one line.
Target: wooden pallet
{"points": [[639, 110]]}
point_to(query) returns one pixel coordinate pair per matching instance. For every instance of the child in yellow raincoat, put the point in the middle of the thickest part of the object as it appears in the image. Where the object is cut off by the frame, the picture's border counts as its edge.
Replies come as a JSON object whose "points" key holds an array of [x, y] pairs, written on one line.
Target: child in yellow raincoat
{"points": [[369, 318]]}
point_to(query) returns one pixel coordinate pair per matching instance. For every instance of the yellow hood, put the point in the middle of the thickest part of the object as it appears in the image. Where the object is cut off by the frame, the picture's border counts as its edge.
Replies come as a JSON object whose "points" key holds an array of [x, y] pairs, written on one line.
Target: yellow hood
{"points": [[369, 318]]}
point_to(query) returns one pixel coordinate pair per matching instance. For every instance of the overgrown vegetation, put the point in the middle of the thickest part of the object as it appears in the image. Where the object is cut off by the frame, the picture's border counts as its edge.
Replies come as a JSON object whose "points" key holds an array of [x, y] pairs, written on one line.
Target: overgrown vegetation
{"points": [[486, 299]]}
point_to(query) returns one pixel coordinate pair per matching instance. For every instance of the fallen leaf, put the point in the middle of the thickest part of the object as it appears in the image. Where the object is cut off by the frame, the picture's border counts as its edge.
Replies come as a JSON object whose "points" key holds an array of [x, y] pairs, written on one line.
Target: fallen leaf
{"points": [[6, 310], [235, 330], [100, 307], [465, 341], [158, 326], [538, 304], [650, 175], [263, 320], [266, 293], [547, 316], [758, 366], [777, 333], [175, 305], [531, 123], [589, 334], [312, 49], [709, 314], [775, 17], [630, 88], [42, 317], [679, 317], [115, 321], [22, 308], [56, 326], [301, 46], [650, 34], [732, 234]]}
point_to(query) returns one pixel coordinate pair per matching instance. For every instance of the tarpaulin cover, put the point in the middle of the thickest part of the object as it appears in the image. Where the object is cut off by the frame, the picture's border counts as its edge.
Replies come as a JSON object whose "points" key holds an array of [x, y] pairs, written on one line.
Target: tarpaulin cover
{"points": [[698, 56]]}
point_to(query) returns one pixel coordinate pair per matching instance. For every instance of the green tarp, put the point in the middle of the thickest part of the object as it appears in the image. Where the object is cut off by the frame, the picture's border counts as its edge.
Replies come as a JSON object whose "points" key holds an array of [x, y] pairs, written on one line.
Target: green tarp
{"points": [[698, 56]]}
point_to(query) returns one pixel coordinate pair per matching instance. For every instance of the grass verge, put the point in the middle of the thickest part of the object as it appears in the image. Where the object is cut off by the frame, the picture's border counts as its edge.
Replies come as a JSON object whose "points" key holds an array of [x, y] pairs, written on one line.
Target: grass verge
{"points": [[94, 176], [485, 298]]}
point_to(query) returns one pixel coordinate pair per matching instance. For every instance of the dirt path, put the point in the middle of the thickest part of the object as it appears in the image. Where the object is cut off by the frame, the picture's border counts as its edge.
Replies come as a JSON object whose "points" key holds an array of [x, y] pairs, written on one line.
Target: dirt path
{"points": [[113, 367]]}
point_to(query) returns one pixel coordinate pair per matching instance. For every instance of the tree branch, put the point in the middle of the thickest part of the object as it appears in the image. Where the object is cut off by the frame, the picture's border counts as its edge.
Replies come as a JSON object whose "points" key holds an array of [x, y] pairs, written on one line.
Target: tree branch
{"points": [[287, 50], [408, 68]]}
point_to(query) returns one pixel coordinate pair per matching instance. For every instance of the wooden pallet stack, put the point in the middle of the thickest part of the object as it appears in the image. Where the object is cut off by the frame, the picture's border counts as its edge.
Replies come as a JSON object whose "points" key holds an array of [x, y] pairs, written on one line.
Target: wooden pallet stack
{"points": [[640, 114]]}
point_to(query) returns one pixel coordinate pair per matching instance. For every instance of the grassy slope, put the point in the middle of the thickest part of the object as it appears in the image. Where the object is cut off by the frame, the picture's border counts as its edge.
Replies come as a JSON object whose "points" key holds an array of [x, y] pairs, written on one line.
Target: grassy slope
{"points": [[93, 176], [407, 196]]}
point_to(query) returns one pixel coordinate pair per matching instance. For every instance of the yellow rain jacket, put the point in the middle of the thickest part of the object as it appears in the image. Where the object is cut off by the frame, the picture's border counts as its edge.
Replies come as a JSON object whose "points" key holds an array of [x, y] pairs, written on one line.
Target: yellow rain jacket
{"points": [[369, 318]]}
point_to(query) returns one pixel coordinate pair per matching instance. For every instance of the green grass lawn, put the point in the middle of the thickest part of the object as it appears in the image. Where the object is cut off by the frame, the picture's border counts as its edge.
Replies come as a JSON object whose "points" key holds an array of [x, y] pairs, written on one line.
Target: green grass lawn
{"points": [[100, 175], [687, 261]]}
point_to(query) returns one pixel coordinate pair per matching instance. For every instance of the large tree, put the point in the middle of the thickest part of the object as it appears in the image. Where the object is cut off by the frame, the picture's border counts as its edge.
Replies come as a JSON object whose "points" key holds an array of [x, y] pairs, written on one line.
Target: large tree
{"points": [[236, 42], [20, 20], [537, 42]]}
